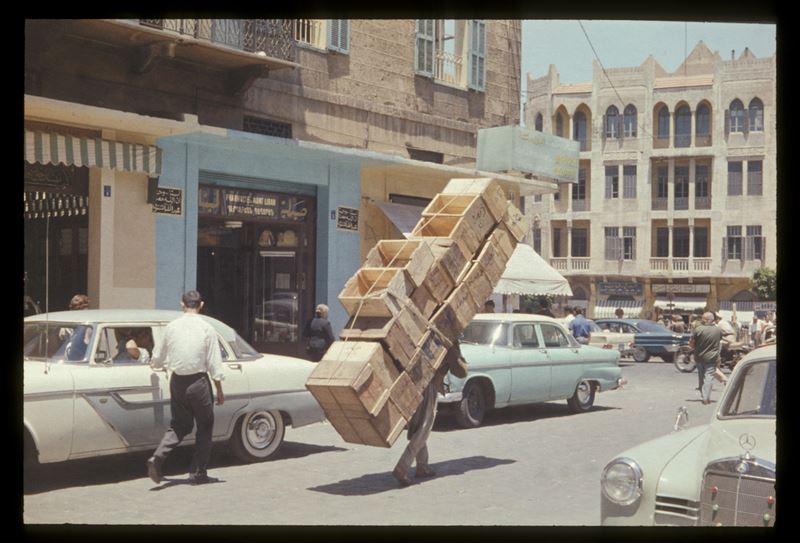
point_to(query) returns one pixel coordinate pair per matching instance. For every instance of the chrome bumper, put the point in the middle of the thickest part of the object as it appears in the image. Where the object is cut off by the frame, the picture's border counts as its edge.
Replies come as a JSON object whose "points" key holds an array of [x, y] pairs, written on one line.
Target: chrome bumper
{"points": [[450, 397]]}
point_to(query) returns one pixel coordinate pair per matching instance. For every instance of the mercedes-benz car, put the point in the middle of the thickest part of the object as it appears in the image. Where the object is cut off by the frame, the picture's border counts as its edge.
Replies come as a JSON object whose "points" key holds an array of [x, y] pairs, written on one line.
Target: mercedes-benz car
{"points": [[85, 395], [517, 358], [718, 474]]}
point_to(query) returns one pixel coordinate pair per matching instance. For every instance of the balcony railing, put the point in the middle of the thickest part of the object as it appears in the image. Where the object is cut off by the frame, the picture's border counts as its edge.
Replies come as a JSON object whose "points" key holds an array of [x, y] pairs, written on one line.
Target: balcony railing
{"points": [[660, 204], [681, 204], [574, 263], [449, 68], [702, 140], [274, 37], [559, 264], [580, 205], [683, 140], [310, 32], [584, 144], [680, 265], [660, 142], [702, 202]]}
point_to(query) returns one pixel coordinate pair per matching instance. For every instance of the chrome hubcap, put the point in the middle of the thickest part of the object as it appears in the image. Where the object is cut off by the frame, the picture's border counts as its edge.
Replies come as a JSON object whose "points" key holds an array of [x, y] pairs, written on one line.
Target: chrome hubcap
{"points": [[261, 430], [584, 391]]}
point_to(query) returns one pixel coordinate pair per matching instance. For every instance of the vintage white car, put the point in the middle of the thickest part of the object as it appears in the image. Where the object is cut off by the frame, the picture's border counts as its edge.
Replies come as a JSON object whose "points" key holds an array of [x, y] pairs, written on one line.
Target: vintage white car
{"points": [[717, 474], [84, 394]]}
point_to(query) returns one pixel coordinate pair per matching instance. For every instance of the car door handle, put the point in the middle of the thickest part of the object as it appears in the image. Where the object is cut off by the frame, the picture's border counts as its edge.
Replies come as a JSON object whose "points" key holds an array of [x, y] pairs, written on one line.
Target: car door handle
{"points": [[235, 366]]}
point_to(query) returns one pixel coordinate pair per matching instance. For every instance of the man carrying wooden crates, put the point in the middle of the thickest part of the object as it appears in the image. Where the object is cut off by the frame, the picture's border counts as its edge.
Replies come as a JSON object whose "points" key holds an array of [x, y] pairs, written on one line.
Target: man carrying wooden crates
{"points": [[408, 305]]}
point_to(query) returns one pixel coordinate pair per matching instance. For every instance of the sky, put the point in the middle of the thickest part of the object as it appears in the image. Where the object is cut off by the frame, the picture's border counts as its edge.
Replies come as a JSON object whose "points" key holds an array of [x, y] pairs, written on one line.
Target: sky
{"points": [[621, 44]]}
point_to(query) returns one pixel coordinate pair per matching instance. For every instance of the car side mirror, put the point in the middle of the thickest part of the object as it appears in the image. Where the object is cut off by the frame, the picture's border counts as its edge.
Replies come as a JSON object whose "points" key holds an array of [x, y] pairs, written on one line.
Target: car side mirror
{"points": [[681, 419]]}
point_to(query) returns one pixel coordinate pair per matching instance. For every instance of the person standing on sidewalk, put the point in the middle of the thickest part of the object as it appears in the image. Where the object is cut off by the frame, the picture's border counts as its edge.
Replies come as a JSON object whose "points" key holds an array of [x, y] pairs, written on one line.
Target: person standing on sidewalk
{"points": [[190, 351], [705, 343], [421, 423]]}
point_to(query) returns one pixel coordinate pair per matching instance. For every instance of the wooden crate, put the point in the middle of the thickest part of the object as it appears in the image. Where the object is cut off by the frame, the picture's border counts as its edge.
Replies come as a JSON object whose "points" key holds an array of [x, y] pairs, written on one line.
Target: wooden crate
{"points": [[405, 396], [451, 254], [464, 307], [426, 361], [516, 222], [413, 256], [376, 292], [399, 334], [479, 285], [446, 322], [502, 239], [425, 300], [455, 227], [489, 189], [493, 262], [471, 207], [381, 430], [353, 378]]}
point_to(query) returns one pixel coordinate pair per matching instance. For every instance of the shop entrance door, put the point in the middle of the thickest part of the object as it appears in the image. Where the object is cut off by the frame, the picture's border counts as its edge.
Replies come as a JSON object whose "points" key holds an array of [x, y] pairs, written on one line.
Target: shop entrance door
{"points": [[277, 316]]}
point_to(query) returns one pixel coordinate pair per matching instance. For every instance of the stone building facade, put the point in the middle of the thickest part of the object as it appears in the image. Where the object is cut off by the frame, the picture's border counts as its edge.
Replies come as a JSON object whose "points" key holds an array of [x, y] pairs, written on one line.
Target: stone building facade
{"points": [[675, 206]]}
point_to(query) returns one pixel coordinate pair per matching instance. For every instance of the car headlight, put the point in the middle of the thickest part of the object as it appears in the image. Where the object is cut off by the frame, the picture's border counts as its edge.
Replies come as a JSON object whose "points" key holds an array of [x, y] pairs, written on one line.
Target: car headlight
{"points": [[621, 481]]}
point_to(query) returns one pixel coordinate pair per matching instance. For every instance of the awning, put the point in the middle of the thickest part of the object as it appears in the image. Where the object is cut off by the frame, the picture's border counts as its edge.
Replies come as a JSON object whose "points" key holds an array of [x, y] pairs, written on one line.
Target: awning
{"points": [[681, 303], [604, 309], [52, 148], [528, 273], [404, 217], [742, 317]]}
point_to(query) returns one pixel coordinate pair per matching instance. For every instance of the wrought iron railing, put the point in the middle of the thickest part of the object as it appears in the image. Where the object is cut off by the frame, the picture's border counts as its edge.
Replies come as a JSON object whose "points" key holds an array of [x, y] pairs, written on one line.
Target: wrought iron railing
{"points": [[659, 204], [449, 68], [273, 37], [310, 32]]}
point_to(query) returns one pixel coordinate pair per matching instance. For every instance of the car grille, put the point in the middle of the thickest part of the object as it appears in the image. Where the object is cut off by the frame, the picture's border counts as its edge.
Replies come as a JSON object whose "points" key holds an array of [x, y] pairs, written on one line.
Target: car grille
{"points": [[738, 492], [676, 512]]}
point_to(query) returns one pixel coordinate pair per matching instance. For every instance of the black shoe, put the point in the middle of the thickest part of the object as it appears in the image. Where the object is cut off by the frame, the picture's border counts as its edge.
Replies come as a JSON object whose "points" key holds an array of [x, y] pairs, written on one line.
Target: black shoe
{"points": [[425, 471], [402, 478], [200, 479], [154, 469]]}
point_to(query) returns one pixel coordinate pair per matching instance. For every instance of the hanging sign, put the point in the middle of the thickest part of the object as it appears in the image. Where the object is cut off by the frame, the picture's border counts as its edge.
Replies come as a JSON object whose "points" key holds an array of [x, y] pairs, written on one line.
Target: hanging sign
{"points": [[168, 201]]}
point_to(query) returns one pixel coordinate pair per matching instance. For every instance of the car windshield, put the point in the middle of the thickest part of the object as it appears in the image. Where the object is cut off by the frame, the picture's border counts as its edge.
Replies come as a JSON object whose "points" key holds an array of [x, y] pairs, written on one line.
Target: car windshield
{"points": [[593, 327], [753, 392], [57, 341], [647, 326], [485, 333]]}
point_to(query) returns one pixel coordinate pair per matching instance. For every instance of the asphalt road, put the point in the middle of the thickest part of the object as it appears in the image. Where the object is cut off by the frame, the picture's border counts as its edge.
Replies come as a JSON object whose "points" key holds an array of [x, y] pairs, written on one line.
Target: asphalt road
{"points": [[535, 465]]}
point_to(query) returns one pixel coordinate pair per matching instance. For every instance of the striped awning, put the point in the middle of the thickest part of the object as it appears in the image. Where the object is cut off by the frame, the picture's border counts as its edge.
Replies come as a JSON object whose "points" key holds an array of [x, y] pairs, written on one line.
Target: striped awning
{"points": [[52, 148], [604, 309]]}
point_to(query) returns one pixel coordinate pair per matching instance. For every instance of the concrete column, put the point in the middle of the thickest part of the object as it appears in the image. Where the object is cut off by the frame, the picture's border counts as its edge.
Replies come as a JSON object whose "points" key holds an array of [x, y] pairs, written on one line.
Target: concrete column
{"points": [[691, 182], [671, 185], [101, 237]]}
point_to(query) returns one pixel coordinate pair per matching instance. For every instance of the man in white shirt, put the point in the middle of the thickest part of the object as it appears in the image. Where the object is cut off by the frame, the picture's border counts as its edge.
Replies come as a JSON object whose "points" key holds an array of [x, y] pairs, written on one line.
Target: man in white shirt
{"points": [[190, 351]]}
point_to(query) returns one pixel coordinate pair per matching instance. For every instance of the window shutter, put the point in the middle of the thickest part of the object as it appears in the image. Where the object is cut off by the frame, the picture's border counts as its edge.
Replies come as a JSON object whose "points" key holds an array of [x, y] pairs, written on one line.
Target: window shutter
{"points": [[339, 35], [618, 249], [763, 250], [727, 122], [749, 247], [724, 250], [477, 55], [424, 48]]}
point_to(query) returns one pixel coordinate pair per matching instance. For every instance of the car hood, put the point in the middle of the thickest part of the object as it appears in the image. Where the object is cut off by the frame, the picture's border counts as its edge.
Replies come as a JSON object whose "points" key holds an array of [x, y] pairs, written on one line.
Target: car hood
{"points": [[682, 474]]}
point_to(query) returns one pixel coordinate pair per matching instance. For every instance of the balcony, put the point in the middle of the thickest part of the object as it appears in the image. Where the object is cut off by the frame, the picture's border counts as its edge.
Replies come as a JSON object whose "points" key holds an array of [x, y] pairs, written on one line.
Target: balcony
{"points": [[574, 263], [702, 202], [660, 142], [702, 140], [681, 204], [683, 140], [580, 205], [680, 266], [659, 204], [242, 49], [449, 69], [584, 144]]}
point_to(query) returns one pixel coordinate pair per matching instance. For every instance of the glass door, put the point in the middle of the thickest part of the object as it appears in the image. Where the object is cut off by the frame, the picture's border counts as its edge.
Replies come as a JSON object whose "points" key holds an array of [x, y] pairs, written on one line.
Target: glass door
{"points": [[276, 318]]}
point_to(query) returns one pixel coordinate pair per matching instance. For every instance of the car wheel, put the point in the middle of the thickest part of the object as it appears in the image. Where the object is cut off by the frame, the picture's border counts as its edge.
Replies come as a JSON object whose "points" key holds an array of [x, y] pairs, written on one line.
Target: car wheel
{"points": [[685, 362], [257, 436], [472, 407], [640, 354], [583, 398]]}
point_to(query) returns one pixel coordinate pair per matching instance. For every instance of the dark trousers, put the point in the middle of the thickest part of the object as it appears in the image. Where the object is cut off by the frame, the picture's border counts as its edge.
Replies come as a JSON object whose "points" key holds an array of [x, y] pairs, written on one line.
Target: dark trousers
{"points": [[192, 402]]}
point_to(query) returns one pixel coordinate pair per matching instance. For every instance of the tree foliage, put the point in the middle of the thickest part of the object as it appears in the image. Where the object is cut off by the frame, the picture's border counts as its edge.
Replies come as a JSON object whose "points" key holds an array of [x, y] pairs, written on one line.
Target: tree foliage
{"points": [[764, 283]]}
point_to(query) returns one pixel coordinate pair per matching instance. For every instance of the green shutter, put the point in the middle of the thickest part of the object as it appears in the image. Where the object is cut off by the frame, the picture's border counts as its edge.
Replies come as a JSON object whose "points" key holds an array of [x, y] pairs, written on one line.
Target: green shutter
{"points": [[339, 35], [477, 55], [424, 47]]}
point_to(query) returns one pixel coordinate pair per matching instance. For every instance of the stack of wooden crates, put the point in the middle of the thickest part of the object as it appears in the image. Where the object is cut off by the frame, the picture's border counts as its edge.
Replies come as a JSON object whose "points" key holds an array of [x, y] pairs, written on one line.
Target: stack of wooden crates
{"points": [[407, 304]]}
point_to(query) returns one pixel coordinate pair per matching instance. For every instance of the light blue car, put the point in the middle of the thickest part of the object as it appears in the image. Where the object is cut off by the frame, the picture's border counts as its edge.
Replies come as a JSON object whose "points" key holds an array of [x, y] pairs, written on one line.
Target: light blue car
{"points": [[516, 359]]}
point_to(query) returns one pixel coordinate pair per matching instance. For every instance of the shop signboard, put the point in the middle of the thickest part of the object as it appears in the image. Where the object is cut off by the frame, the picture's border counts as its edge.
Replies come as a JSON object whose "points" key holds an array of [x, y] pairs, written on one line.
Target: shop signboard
{"points": [[620, 288], [516, 148], [249, 204], [168, 201], [667, 288], [347, 218]]}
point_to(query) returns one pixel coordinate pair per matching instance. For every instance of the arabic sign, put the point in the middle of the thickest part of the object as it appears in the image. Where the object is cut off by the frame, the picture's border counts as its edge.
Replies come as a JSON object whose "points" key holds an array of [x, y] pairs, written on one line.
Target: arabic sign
{"points": [[666, 288], [621, 288], [347, 218], [250, 204], [516, 148], [168, 201]]}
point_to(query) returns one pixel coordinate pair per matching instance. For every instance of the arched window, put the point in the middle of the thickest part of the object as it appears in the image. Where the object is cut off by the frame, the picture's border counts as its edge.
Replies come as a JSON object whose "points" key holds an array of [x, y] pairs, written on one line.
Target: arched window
{"points": [[630, 121], [756, 115], [737, 116], [683, 126], [612, 122], [663, 122], [579, 129], [559, 125], [538, 123], [703, 123]]}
